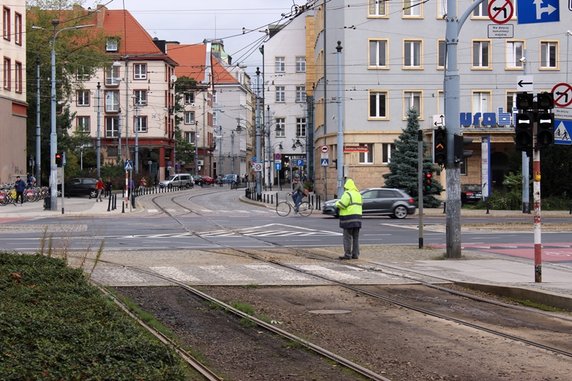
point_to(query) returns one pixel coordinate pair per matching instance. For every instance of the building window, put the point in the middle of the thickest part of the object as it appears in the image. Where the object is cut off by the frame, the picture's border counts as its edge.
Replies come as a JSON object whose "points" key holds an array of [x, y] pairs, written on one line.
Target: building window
{"points": [[6, 24], [280, 94], [140, 97], [280, 127], [82, 98], [377, 8], [18, 28], [140, 123], [481, 101], [412, 54], [18, 82], [377, 104], [442, 54], [548, 54], [83, 124], [111, 126], [514, 54], [386, 150], [441, 9], [300, 64], [300, 94], [112, 101], [412, 100], [510, 102], [280, 64], [412, 8], [482, 10], [189, 117], [378, 53], [139, 71], [190, 98], [112, 74], [111, 45], [188, 137], [463, 165], [366, 157], [7, 73], [300, 127], [82, 74], [481, 54]]}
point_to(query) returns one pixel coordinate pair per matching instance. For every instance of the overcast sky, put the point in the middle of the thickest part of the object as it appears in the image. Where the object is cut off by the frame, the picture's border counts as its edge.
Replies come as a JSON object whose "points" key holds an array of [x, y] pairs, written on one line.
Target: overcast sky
{"points": [[191, 21]]}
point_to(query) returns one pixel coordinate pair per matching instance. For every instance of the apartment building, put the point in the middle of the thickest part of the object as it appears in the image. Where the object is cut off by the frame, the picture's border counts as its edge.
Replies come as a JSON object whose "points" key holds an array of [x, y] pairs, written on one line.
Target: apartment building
{"points": [[129, 105], [288, 142], [224, 141], [393, 59], [14, 159]]}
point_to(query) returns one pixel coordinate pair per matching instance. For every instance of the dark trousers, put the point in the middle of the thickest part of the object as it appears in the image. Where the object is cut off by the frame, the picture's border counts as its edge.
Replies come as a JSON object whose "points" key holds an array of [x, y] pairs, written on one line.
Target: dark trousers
{"points": [[19, 195], [351, 242]]}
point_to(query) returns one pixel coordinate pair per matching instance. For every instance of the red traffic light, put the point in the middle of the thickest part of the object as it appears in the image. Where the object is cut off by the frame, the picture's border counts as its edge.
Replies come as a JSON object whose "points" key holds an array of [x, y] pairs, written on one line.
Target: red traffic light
{"points": [[59, 159]]}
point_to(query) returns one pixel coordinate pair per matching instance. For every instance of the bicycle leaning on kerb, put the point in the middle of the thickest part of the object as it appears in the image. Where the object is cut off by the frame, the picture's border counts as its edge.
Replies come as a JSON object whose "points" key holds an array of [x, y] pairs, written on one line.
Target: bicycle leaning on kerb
{"points": [[284, 208]]}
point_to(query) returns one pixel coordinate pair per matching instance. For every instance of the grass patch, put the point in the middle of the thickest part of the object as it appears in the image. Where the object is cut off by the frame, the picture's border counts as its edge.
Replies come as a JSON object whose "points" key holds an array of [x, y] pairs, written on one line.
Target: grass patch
{"points": [[539, 306], [55, 326]]}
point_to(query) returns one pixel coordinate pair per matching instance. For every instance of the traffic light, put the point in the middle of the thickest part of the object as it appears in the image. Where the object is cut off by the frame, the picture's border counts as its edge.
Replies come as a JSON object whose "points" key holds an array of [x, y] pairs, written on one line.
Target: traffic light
{"points": [[427, 181], [523, 132], [440, 146], [545, 130], [524, 101], [545, 101], [460, 153], [59, 159]]}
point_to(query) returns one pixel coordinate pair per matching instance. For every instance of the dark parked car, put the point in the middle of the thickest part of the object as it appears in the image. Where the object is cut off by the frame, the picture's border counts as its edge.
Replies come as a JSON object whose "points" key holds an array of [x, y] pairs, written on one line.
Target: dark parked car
{"points": [[471, 193], [80, 186], [394, 203]]}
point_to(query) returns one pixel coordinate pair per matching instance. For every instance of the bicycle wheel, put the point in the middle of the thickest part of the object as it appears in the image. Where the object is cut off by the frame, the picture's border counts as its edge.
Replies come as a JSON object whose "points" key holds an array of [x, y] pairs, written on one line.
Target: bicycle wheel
{"points": [[305, 209], [283, 208]]}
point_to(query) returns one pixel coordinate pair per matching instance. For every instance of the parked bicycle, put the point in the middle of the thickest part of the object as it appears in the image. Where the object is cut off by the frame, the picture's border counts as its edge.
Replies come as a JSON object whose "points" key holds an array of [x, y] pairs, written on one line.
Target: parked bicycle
{"points": [[284, 208], [8, 197]]}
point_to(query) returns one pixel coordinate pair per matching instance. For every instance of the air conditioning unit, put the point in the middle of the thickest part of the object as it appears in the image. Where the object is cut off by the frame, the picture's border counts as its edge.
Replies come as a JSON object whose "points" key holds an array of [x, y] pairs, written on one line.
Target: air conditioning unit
{"points": [[200, 162]]}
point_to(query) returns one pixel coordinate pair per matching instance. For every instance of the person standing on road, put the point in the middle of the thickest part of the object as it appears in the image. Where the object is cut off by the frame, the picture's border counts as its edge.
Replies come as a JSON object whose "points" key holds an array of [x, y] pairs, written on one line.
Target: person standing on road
{"points": [[350, 207], [99, 186], [20, 186]]}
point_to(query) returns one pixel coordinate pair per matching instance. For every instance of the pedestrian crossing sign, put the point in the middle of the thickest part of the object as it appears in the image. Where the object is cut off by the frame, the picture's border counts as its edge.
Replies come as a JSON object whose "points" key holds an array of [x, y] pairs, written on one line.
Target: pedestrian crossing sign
{"points": [[562, 132], [324, 162]]}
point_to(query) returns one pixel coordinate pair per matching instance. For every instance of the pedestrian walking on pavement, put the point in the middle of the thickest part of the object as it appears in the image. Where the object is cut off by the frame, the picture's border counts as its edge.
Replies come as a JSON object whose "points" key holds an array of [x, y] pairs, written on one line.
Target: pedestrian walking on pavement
{"points": [[99, 186], [350, 211], [20, 186]]}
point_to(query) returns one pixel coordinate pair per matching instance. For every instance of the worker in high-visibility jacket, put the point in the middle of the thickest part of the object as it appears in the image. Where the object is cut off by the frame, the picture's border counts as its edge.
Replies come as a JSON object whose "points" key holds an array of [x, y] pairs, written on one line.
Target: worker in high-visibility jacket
{"points": [[350, 210]]}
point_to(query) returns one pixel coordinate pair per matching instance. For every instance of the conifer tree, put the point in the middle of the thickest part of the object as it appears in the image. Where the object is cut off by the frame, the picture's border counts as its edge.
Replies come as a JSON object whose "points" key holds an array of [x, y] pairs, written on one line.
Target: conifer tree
{"points": [[403, 165]]}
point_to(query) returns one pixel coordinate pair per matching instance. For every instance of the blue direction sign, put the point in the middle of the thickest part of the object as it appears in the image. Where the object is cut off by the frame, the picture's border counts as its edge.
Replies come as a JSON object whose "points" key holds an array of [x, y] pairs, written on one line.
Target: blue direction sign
{"points": [[324, 162], [278, 166], [536, 11], [563, 131]]}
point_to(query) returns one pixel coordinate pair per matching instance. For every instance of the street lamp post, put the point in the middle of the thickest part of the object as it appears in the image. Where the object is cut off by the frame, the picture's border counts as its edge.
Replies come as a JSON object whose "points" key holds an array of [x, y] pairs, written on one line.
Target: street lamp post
{"points": [[53, 134]]}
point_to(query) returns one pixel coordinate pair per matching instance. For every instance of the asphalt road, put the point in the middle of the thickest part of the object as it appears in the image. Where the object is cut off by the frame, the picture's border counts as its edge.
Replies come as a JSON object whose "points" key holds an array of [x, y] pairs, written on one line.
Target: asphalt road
{"points": [[212, 218]]}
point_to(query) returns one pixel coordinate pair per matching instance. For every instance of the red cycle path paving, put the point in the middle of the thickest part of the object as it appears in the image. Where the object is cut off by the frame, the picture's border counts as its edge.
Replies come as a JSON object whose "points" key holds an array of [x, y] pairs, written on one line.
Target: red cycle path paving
{"points": [[553, 252]]}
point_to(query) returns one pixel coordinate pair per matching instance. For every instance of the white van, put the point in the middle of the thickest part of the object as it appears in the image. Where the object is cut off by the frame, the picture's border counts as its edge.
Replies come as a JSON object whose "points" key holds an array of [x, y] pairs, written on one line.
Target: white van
{"points": [[179, 180]]}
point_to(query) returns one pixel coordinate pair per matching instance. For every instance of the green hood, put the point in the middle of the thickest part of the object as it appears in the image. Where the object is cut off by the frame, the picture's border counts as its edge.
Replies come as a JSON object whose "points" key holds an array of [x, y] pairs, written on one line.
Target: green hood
{"points": [[349, 185]]}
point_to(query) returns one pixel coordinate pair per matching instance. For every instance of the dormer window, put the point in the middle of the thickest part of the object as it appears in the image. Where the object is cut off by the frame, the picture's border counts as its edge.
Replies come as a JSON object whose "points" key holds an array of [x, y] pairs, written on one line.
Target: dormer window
{"points": [[111, 45]]}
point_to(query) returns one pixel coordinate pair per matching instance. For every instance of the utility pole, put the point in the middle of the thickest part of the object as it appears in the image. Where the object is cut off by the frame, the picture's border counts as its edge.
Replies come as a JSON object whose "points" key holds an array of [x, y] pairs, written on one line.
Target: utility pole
{"points": [[258, 137], [452, 89], [340, 151], [38, 129]]}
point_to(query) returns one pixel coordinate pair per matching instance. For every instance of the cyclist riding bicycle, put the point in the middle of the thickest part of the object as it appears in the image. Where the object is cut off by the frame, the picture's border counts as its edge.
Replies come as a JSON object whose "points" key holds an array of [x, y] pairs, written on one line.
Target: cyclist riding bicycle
{"points": [[298, 192]]}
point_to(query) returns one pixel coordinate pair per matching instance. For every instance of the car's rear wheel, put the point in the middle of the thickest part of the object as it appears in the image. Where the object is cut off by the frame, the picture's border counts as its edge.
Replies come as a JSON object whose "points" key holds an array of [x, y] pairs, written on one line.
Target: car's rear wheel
{"points": [[400, 212]]}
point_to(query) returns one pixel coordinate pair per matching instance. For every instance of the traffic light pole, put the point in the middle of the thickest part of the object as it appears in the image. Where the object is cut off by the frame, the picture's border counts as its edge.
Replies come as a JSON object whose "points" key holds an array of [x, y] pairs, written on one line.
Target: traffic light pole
{"points": [[537, 213]]}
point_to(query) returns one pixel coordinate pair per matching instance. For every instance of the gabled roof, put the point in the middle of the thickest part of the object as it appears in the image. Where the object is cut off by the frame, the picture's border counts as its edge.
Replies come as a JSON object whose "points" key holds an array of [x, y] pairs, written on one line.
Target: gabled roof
{"points": [[193, 62], [133, 38]]}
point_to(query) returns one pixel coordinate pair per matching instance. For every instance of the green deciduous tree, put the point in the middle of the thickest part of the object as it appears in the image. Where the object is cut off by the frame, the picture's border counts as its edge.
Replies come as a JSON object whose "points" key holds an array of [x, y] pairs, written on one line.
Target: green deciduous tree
{"points": [[404, 162], [77, 51]]}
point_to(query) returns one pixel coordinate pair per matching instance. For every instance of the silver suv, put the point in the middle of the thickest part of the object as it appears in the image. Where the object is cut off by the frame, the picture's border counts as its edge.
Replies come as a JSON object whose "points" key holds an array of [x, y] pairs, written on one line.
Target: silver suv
{"points": [[392, 202], [181, 180]]}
